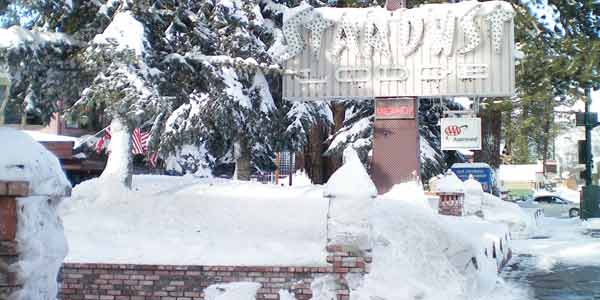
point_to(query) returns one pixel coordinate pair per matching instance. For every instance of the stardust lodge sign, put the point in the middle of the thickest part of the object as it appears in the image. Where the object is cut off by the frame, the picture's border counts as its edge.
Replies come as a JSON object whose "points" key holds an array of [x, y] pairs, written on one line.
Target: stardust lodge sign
{"points": [[462, 49]]}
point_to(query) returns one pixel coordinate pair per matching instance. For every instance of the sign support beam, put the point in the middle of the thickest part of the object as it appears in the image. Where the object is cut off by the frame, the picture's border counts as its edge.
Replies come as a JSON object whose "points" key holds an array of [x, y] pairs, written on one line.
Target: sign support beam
{"points": [[396, 148]]}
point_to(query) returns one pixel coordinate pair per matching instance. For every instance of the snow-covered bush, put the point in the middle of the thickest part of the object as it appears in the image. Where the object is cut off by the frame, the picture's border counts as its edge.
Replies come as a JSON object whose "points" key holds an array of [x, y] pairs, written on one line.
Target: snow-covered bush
{"points": [[41, 241]]}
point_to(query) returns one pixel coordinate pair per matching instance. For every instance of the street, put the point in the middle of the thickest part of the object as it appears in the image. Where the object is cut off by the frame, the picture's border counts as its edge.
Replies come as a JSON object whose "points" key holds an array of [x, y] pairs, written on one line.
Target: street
{"points": [[562, 262]]}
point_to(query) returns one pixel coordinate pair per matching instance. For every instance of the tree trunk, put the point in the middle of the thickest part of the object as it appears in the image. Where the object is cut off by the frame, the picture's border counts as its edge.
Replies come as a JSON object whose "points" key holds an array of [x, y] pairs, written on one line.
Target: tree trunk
{"points": [[119, 167], [491, 132], [339, 114], [314, 161], [547, 136], [3, 103], [242, 159]]}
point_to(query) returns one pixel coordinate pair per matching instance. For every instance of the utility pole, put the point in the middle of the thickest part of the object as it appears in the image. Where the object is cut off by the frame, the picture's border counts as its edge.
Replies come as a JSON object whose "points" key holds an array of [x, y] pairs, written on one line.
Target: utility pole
{"points": [[589, 205], [589, 162]]}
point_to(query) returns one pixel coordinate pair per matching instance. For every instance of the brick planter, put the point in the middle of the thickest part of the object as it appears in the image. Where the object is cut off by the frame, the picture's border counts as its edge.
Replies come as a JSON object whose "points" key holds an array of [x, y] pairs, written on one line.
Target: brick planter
{"points": [[9, 192], [451, 204], [162, 282]]}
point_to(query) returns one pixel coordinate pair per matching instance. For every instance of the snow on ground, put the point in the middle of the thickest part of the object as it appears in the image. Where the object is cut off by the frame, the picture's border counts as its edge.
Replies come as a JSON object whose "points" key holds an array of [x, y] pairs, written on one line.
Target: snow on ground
{"points": [[232, 291], [212, 222], [40, 237], [563, 241]]}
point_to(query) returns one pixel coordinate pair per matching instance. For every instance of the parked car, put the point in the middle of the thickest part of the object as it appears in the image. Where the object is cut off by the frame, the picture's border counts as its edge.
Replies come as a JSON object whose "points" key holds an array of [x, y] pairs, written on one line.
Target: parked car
{"points": [[556, 206]]}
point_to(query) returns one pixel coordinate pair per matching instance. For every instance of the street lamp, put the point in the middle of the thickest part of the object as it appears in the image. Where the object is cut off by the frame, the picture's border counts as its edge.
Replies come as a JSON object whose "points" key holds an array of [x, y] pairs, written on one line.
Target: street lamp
{"points": [[5, 91]]}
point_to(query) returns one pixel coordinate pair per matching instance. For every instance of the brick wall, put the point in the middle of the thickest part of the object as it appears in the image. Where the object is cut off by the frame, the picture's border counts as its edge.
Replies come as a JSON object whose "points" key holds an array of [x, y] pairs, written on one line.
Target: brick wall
{"points": [[161, 282], [451, 204], [9, 192]]}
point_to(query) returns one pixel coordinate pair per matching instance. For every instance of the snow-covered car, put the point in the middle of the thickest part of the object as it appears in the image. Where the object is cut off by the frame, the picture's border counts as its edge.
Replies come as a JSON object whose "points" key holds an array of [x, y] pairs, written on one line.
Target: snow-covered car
{"points": [[556, 206]]}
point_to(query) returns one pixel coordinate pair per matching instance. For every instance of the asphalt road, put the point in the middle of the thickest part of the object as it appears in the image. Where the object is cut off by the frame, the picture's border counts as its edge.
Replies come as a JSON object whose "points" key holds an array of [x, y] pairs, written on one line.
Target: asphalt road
{"points": [[560, 282]]}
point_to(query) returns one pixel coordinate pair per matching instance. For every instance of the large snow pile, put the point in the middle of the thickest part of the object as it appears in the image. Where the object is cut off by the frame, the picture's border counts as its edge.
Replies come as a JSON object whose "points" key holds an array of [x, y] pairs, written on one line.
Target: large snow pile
{"points": [[24, 159], [40, 237], [351, 193], [418, 254], [211, 222], [520, 223]]}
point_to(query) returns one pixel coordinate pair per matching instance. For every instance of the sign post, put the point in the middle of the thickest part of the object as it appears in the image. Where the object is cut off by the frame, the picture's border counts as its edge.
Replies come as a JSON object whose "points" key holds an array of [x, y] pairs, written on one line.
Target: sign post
{"points": [[396, 138]]}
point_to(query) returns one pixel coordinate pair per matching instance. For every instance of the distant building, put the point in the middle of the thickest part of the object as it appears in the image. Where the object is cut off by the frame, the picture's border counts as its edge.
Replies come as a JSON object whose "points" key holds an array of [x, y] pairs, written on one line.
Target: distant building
{"points": [[61, 136]]}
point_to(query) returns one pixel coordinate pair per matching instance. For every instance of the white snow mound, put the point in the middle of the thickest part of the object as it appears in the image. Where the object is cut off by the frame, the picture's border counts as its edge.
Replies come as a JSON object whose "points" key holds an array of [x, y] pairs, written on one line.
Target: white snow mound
{"points": [[27, 160]]}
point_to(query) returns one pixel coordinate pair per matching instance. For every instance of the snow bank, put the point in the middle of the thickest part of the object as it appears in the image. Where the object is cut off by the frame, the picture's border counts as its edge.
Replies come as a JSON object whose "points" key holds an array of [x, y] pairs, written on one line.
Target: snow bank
{"points": [[431, 258], [25, 159], [520, 223], [42, 247], [212, 222], [351, 193], [232, 291], [41, 241]]}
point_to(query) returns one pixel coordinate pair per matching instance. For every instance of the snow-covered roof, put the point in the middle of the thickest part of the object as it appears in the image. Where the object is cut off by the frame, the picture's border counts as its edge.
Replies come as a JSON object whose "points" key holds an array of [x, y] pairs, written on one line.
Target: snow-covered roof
{"points": [[519, 172], [22, 158], [48, 137]]}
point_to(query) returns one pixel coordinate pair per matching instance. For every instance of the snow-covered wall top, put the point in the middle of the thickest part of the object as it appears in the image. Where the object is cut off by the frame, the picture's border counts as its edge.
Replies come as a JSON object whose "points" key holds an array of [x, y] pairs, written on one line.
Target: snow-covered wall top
{"points": [[22, 158], [463, 49]]}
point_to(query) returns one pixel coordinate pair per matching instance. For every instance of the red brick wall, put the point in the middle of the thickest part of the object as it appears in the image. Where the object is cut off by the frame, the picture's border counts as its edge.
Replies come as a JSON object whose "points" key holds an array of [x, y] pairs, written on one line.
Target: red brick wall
{"points": [[9, 192], [160, 282]]}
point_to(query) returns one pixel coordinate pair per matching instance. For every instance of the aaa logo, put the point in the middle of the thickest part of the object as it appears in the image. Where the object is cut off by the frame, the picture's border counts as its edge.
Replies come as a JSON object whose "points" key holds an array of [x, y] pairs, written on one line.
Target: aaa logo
{"points": [[454, 130]]}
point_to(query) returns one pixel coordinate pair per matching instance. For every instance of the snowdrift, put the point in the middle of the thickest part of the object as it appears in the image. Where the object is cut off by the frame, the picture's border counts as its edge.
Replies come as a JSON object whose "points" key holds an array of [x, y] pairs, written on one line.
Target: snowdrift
{"points": [[40, 237], [208, 221]]}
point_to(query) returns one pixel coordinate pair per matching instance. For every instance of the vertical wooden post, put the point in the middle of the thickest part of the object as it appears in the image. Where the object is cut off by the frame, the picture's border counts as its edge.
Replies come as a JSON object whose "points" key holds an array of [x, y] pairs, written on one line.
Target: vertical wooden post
{"points": [[396, 149]]}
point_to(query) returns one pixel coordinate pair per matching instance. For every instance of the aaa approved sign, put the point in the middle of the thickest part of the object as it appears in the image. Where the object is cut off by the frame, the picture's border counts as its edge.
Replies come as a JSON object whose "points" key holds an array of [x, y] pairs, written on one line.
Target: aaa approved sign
{"points": [[461, 133]]}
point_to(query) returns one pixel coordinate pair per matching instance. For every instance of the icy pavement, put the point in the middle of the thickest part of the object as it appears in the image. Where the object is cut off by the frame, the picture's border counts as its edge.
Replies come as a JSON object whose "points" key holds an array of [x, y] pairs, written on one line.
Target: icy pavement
{"points": [[562, 262]]}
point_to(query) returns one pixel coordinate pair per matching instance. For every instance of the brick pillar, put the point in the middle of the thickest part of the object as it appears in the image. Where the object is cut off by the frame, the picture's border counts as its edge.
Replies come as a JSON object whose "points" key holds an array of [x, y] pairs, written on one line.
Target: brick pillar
{"points": [[9, 192], [451, 204], [347, 260]]}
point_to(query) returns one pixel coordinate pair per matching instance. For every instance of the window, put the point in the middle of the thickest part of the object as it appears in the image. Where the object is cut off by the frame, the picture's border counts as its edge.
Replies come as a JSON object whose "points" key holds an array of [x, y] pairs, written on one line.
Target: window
{"points": [[545, 199]]}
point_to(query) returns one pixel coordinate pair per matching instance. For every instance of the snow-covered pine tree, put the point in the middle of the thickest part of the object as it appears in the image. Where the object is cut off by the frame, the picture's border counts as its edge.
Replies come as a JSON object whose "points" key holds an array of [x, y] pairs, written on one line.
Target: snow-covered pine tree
{"points": [[38, 65], [122, 87]]}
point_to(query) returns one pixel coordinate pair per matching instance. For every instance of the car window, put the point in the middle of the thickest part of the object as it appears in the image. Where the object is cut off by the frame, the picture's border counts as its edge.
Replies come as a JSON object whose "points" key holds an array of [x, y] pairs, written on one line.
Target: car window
{"points": [[544, 199]]}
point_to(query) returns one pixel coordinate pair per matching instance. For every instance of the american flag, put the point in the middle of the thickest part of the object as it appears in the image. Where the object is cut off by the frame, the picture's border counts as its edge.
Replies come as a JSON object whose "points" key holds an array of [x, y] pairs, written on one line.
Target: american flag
{"points": [[139, 141], [103, 140], [139, 144]]}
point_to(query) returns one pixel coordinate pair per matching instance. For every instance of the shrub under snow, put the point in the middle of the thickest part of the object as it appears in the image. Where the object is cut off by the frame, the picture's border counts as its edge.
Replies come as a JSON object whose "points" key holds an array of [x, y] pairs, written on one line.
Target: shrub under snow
{"points": [[41, 241]]}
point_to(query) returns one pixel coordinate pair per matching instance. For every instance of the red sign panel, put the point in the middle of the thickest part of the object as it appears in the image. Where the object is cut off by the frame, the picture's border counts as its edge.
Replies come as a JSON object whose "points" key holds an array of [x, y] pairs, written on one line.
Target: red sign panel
{"points": [[395, 108]]}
